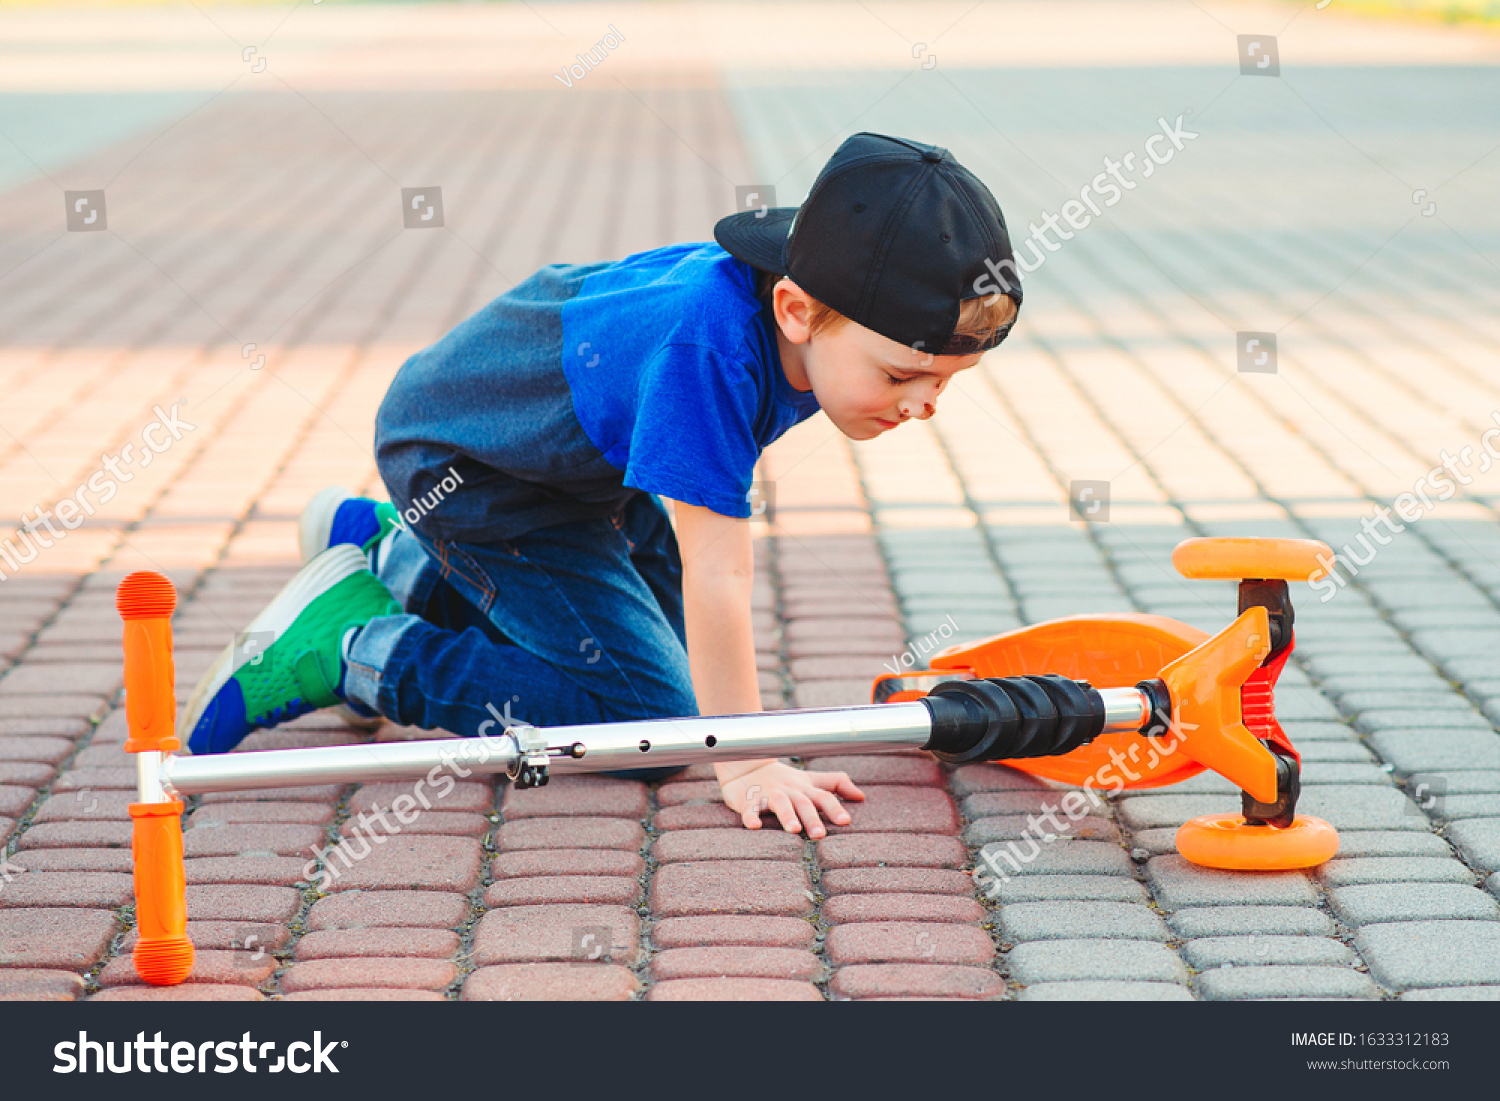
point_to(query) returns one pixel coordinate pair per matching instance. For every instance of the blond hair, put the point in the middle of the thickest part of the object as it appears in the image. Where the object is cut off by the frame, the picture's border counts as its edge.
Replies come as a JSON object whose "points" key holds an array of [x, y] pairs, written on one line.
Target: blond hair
{"points": [[979, 318]]}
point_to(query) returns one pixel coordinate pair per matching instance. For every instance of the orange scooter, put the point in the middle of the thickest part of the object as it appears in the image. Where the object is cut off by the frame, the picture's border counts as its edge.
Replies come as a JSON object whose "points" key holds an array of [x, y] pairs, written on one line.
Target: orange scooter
{"points": [[1212, 701], [1114, 685]]}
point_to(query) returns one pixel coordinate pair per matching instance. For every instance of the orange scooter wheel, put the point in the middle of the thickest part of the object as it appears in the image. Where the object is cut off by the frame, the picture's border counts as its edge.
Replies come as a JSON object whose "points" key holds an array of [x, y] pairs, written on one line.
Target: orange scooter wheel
{"points": [[1225, 841]]}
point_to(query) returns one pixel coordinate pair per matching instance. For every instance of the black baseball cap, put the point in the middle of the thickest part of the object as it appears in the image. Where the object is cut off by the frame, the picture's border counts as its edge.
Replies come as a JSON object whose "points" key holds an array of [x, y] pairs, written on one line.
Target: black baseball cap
{"points": [[893, 235]]}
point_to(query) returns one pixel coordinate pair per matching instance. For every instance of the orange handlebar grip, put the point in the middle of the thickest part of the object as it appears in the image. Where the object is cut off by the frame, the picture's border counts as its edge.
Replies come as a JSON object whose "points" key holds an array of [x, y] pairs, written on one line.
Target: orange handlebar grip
{"points": [[1260, 559], [146, 601], [163, 954]]}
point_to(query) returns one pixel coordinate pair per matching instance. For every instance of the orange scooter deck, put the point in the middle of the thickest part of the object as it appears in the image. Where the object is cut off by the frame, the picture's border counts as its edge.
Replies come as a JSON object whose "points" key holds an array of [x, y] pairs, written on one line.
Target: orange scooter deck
{"points": [[1108, 651]]}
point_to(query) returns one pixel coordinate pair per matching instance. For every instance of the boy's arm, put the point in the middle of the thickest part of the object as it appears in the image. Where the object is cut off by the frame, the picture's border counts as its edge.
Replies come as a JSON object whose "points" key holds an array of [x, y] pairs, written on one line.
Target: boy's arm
{"points": [[718, 568]]}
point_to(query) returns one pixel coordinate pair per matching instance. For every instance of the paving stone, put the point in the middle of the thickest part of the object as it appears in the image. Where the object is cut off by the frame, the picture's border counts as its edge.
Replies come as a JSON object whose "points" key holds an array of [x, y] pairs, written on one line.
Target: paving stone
{"points": [[1033, 802], [1145, 812], [1357, 843], [1105, 991], [557, 862], [1066, 857], [1422, 750], [32, 774], [51, 707], [570, 833], [96, 779], [77, 835], [1041, 961], [1012, 827], [438, 944], [186, 992], [1407, 955], [520, 934], [1262, 921], [1343, 772], [1071, 920], [540, 890], [735, 843], [273, 871], [39, 985], [1053, 888], [92, 678], [771, 887], [938, 881], [881, 850], [736, 962], [216, 839], [1442, 722], [901, 808], [698, 816], [14, 799], [242, 903], [901, 907], [388, 909], [410, 863], [680, 792], [218, 966], [323, 974], [916, 979], [734, 990], [550, 982], [908, 941], [1178, 883], [1453, 994], [1392, 869], [577, 796], [971, 779], [1209, 952], [1387, 902], [95, 890], [1336, 752], [381, 822], [72, 939], [750, 932], [1478, 842], [364, 994], [1234, 983], [270, 813], [1450, 807]]}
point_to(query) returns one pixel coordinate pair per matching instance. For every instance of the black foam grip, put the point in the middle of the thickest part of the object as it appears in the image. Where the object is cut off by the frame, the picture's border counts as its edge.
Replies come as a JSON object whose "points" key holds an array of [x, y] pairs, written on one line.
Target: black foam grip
{"points": [[1000, 717]]}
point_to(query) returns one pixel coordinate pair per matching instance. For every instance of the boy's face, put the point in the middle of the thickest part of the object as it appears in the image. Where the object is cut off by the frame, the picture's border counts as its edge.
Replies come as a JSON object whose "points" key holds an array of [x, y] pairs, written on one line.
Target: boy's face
{"points": [[866, 383]]}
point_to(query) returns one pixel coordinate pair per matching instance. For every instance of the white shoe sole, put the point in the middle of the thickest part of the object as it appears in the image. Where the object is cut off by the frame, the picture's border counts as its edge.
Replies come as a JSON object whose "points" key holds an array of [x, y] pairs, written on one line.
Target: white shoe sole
{"points": [[321, 574], [316, 522], [314, 529]]}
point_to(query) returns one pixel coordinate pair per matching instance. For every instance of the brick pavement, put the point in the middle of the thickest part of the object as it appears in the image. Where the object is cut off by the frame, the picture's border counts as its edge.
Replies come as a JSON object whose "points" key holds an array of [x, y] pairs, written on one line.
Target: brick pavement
{"points": [[269, 218]]}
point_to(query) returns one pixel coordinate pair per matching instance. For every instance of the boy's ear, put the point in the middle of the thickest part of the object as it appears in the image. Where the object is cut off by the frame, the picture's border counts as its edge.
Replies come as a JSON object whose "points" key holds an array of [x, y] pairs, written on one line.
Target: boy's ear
{"points": [[793, 309]]}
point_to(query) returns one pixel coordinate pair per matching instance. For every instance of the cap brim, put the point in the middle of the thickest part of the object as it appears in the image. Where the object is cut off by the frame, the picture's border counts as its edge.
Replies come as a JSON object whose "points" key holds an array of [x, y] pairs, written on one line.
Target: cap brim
{"points": [[757, 237]]}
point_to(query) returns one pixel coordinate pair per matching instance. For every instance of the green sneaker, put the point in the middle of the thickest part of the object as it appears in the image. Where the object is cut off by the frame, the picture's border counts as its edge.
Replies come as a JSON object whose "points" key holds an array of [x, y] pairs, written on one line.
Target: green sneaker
{"points": [[335, 516], [289, 661]]}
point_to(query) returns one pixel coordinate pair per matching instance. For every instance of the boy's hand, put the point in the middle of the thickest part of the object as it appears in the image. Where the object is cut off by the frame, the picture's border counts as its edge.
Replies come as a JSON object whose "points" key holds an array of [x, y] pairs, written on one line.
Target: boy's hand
{"points": [[794, 796]]}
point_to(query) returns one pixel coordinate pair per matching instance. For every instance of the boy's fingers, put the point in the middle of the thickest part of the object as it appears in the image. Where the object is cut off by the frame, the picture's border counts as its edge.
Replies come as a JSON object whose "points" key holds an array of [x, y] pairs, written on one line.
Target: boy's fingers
{"points": [[750, 816], [781, 806], [809, 815], [829, 804], [838, 782]]}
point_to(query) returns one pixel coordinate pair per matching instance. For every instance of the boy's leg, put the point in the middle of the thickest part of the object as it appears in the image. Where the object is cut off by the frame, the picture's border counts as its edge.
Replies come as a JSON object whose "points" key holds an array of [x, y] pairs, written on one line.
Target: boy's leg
{"points": [[592, 642]]}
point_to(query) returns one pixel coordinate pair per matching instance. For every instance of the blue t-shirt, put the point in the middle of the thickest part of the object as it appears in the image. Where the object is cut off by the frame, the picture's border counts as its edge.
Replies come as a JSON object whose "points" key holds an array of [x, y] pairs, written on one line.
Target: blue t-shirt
{"points": [[584, 385]]}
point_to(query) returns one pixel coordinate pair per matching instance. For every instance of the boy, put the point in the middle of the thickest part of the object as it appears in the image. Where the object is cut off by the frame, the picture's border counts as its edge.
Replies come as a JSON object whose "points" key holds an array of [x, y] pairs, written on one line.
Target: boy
{"points": [[526, 568]]}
